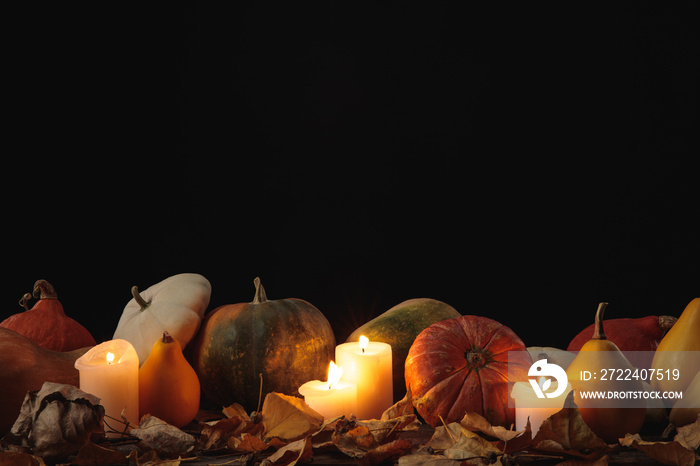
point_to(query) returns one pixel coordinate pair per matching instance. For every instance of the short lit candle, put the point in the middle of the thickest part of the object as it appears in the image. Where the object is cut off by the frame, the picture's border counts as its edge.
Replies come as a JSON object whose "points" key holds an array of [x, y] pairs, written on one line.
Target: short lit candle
{"points": [[110, 371], [368, 364], [333, 398], [528, 405]]}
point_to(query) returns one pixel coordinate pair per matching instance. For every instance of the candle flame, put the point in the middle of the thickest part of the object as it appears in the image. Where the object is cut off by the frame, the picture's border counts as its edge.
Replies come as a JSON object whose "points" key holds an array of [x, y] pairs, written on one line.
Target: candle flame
{"points": [[334, 373], [364, 341], [110, 358]]}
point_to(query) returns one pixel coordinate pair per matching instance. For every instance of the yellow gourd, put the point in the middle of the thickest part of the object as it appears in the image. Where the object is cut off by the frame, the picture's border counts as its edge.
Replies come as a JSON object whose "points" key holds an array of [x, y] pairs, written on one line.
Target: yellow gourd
{"points": [[168, 385], [678, 350], [609, 419], [687, 409]]}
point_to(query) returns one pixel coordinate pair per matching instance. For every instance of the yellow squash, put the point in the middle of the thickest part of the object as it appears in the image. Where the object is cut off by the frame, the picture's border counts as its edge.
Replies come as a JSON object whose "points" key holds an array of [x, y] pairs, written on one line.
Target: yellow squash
{"points": [[687, 409], [595, 368], [168, 385], [678, 350]]}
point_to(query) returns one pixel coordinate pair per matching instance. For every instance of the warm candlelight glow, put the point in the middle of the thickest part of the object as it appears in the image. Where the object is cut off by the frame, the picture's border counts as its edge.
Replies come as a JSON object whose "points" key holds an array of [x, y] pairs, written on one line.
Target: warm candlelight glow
{"points": [[110, 371], [529, 406], [364, 342], [369, 366], [333, 397], [334, 374]]}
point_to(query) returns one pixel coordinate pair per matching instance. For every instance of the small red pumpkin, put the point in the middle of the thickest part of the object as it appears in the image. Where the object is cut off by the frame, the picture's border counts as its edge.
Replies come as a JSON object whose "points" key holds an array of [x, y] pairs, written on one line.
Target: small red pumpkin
{"points": [[638, 337], [462, 365], [46, 324]]}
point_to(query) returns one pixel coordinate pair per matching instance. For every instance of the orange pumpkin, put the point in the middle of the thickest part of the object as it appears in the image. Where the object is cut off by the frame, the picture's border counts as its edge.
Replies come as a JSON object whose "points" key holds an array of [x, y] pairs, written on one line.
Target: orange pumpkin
{"points": [[46, 324], [462, 365]]}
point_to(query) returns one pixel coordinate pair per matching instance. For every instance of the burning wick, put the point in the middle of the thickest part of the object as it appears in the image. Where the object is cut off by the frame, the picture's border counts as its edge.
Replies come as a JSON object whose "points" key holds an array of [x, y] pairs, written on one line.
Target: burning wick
{"points": [[334, 373], [110, 358], [364, 341]]}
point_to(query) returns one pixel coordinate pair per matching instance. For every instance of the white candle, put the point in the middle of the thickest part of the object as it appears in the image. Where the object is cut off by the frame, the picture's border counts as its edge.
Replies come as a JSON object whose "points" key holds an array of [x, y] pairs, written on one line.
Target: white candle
{"points": [[368, 364], [528, 405], [332, 398], [110, 371]]}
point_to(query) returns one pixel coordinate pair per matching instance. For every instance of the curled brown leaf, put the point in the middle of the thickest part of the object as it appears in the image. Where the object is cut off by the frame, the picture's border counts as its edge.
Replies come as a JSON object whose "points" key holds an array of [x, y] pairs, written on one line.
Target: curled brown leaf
{"points": [[671, 453]]}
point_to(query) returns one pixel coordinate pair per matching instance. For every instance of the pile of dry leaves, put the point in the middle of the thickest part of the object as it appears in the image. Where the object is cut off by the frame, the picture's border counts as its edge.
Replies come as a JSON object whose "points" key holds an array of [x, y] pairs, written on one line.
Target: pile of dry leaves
{"points": [[61, 424]]}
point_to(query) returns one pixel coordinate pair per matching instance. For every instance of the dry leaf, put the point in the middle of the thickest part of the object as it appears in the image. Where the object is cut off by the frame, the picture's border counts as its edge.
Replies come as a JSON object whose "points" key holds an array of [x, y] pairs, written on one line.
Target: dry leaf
{"points": [[423, 458], [355, 442], [445, 436], [471, 445], [166, 440], [19, 458], [55, 421], [246, 443], [602, 461], [235, 410], [458, 443], [689, 435], [403, 407], [565, 432], [477, 423], [290, 454], [388, 452], [92, 454], [288, 418], [217, 434], [151, 458], [671, 453], [381, 429]]}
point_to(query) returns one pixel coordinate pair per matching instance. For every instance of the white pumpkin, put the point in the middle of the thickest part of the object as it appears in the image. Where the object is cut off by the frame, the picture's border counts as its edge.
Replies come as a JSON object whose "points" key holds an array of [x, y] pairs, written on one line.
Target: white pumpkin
{"points": [[176, 305]]}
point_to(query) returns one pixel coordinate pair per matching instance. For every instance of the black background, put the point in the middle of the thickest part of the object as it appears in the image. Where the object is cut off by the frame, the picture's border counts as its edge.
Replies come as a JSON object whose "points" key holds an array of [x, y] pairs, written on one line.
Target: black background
{"points": [[517, 162]]}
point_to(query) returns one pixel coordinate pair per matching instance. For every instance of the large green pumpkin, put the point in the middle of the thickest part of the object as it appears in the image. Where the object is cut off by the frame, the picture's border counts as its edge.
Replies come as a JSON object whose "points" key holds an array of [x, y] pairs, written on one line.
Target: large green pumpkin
{"points": [[288, 341]]}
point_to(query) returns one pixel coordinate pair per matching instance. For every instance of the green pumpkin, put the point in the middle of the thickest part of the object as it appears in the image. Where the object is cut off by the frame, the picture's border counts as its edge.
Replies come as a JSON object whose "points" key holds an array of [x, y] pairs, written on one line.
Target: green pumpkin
{"points": [[399, 326], [288, 341]]}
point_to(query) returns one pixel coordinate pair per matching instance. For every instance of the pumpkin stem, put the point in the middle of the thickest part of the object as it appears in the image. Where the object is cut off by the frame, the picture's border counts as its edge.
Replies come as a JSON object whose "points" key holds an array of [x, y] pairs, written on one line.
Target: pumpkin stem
{"points": [[260, 296], [138, 298], [23, 301], [599, 331], [44, 290], [260, 394], [666, 322], [167, 338]]}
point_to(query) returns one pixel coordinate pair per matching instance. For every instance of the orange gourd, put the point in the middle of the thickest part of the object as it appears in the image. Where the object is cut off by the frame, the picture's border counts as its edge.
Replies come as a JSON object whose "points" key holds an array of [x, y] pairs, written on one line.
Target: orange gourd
{"points": [[25, 366], [47, 324], [168, 385]]}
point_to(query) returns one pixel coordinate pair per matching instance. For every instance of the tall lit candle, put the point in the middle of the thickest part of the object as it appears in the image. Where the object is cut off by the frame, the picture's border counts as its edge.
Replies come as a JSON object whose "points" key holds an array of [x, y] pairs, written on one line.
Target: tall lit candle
{"points": [[368, 364], [332, 398], [528, 405], [110, 371]]}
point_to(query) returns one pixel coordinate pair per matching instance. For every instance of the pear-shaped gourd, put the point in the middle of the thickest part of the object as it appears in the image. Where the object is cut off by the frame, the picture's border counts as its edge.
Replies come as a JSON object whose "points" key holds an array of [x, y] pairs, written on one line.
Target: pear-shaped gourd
{"points": [[679, 349], [168, 385], [687, 409], [609, 419]]}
